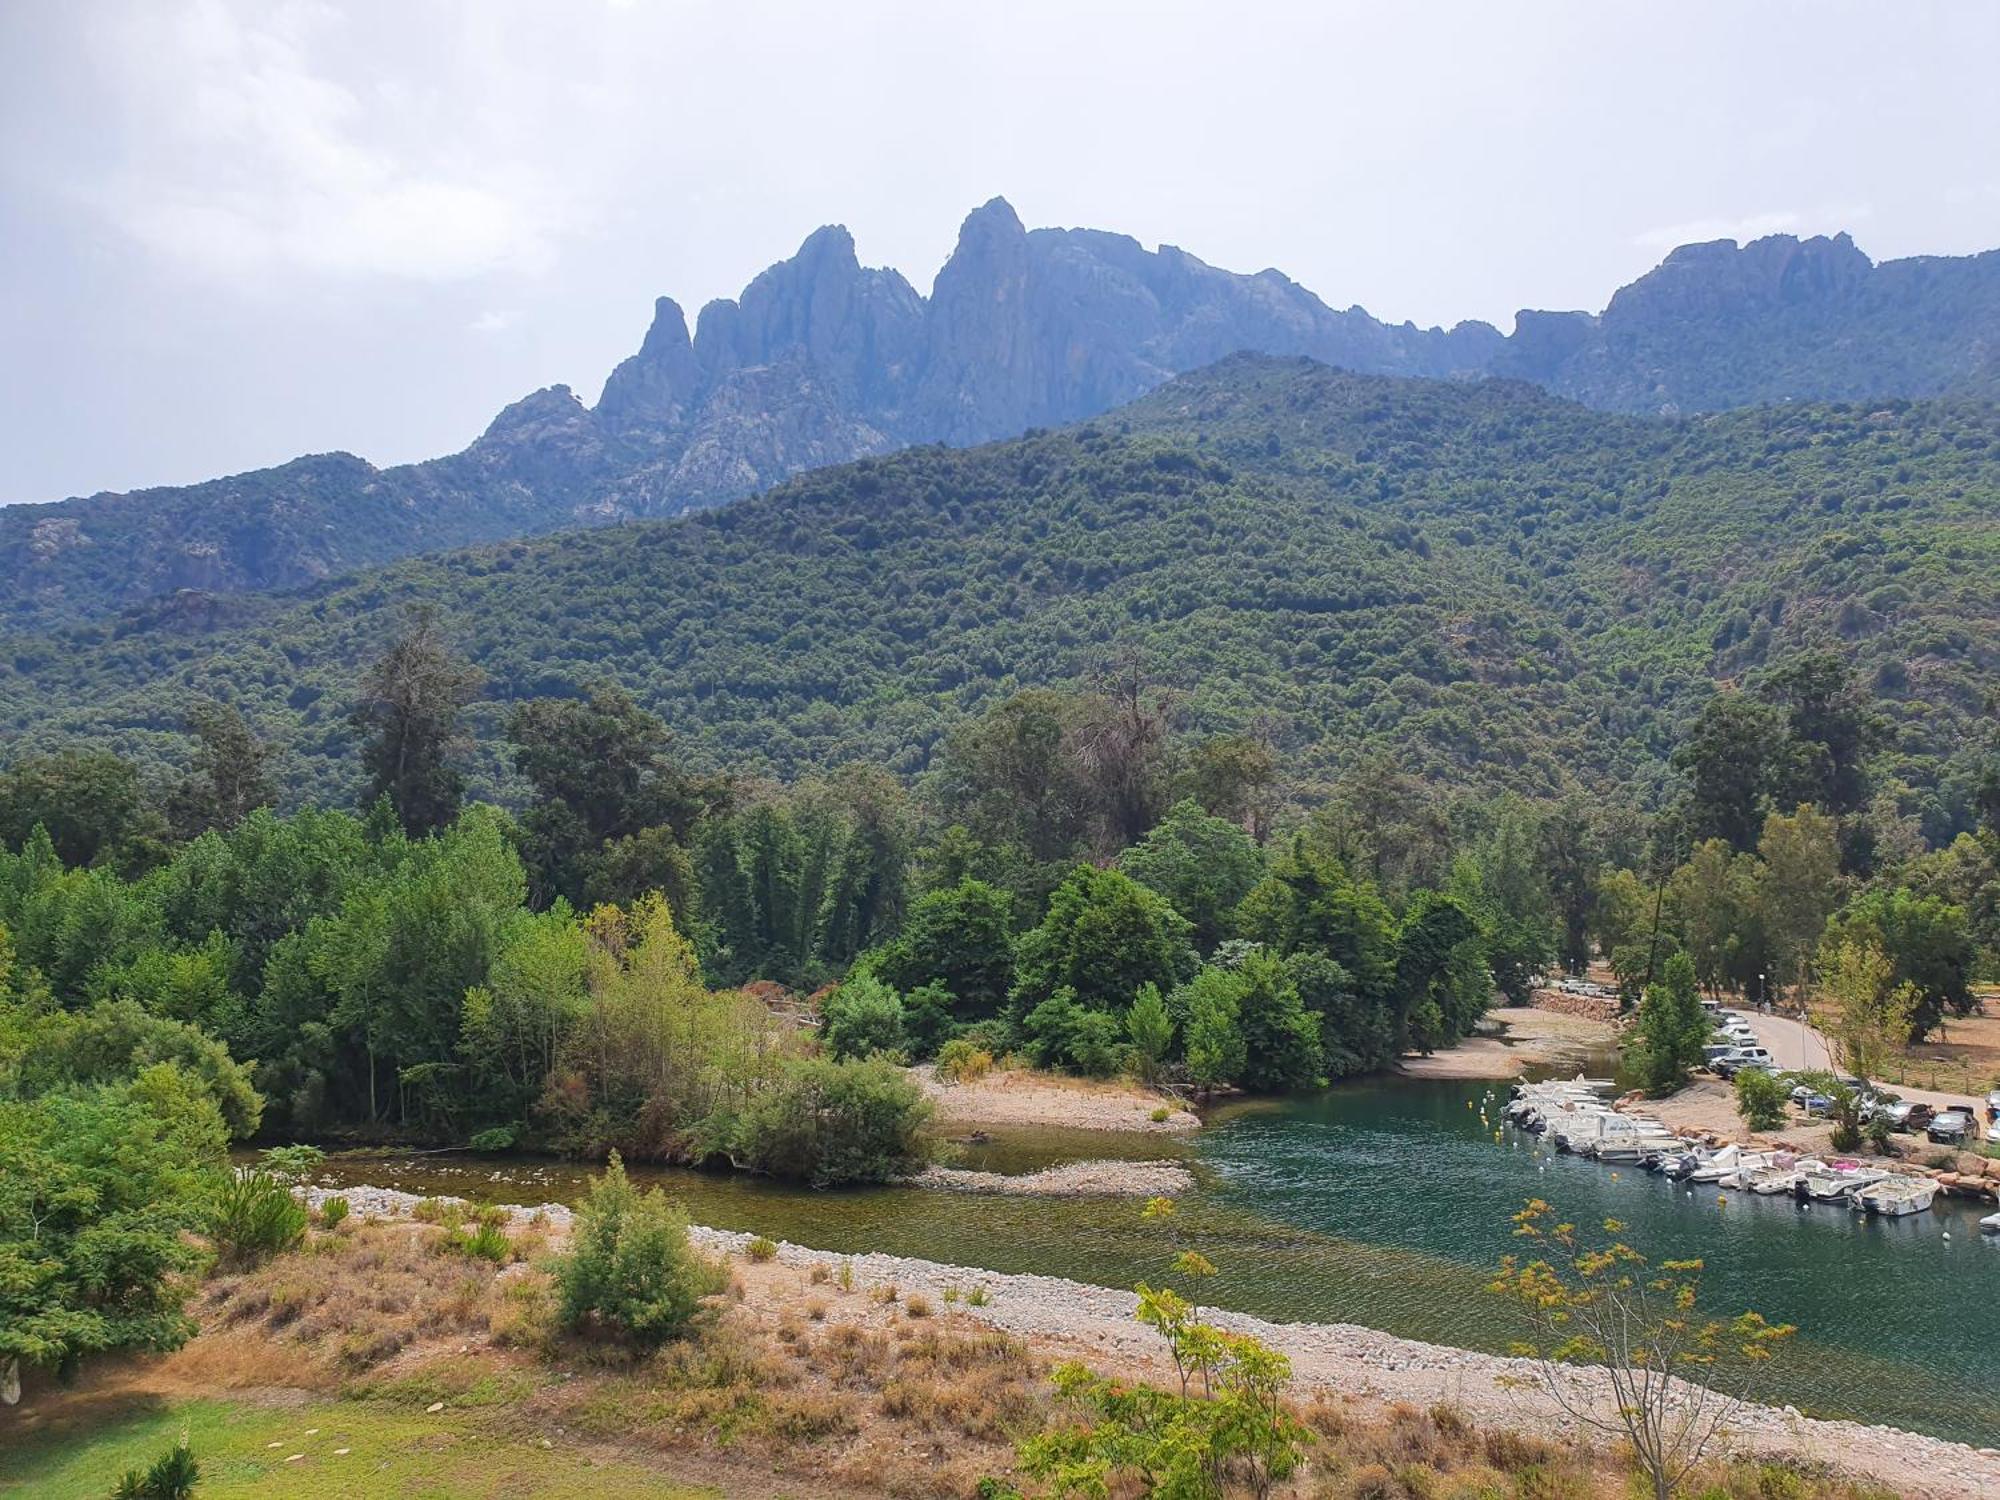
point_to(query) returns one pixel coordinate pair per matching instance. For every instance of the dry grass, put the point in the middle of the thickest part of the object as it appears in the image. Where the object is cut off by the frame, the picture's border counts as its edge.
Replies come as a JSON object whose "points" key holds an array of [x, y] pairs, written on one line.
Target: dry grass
{"points": [[777, 1392]]}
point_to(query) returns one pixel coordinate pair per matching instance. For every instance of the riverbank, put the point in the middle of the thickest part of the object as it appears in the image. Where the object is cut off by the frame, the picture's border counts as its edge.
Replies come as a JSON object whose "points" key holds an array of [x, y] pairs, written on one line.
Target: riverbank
{"points": [[1020, 1096], [1511, 1040], [1360, 1368], [1705, 1110]]}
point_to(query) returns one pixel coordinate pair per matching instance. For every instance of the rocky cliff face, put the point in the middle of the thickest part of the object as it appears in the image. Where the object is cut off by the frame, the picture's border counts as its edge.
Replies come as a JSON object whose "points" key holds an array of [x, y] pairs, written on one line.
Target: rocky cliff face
{"points": [[821, 360]]}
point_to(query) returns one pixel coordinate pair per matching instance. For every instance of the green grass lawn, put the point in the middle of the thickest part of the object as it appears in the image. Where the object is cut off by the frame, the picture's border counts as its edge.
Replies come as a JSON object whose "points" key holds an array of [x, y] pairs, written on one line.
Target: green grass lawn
{"points": [[343, 1449]]}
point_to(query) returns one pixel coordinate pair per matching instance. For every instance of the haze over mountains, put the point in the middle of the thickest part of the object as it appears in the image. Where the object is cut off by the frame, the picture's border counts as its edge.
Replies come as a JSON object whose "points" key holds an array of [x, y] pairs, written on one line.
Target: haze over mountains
{"points": [[822, 360]]}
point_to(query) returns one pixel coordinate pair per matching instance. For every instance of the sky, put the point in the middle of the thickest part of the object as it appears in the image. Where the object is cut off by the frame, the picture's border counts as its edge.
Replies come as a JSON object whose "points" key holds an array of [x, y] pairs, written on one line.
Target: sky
{"points": [[234, 233]]}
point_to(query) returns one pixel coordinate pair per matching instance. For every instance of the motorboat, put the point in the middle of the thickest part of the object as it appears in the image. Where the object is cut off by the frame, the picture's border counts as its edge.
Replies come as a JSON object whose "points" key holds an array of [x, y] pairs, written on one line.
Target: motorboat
{"points": [[1832, 1184], [1895, 1197], [1718, 1166]]}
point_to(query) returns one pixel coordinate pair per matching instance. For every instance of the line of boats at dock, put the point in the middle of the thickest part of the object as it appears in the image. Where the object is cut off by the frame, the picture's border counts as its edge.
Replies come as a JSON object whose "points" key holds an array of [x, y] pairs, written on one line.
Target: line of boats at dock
{"points": [[1575, 1117]]}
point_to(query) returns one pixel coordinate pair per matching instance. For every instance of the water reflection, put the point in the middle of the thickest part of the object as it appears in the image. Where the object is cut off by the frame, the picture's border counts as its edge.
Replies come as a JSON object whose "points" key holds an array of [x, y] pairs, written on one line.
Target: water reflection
{"points": [[1388, 1204]]}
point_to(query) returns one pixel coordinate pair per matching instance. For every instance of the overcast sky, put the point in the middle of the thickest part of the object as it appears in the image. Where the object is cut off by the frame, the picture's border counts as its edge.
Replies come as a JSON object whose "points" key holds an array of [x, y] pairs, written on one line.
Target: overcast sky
{"points": [[238, 232]]}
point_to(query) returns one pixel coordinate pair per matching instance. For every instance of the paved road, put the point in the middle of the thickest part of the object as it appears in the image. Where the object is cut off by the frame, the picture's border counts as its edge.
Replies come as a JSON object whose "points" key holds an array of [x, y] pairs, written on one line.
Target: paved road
{"points": [[1795, 1046]]}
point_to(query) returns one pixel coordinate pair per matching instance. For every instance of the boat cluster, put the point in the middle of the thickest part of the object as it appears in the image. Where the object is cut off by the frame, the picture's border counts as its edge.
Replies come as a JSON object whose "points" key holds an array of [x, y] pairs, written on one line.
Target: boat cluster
{"points": [[1576, 1118]]}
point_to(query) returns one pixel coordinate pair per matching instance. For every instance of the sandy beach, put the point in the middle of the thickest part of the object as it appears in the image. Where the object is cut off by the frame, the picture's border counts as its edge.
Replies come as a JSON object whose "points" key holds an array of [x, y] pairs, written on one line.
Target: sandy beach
{"points": [[1512, 1039], [1020, 1097]]}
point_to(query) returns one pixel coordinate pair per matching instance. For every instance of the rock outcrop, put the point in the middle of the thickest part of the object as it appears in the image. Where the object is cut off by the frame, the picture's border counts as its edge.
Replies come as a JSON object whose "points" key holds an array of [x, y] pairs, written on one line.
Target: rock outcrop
{"points": [[822, 360]]}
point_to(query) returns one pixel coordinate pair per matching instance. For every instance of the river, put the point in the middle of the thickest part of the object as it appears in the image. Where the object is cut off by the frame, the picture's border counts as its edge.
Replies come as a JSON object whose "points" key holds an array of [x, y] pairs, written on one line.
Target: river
{"points": [[1387, 1203]]}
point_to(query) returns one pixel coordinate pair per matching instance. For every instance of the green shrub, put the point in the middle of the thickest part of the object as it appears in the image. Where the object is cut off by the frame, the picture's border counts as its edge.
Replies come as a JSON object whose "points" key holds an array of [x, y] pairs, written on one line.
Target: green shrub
{"points": [[1063, 1034], [332, 1211], [498, 1138], [485, 1242], [254, 1218], [834, 1122], [173, 1476], [861, 1018], [962, 1061], [1761, 1099], [761, 1249], [631, 1273]]}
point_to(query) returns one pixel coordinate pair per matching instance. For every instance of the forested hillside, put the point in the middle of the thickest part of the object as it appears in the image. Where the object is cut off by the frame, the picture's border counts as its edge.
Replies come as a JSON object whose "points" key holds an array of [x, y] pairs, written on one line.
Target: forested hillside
{"points": [[822, 360], [1507, 590]]}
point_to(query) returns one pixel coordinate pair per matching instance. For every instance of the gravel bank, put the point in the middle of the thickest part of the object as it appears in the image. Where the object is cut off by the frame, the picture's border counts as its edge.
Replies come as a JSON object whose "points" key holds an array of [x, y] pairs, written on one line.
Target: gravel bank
{"points": [[1069, 1318], [1077, 1179]]}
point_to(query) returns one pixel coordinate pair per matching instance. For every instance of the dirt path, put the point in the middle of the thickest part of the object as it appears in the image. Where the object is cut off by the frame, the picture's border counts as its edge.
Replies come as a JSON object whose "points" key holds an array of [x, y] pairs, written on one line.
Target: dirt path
{"points": [[1796, 1047]]}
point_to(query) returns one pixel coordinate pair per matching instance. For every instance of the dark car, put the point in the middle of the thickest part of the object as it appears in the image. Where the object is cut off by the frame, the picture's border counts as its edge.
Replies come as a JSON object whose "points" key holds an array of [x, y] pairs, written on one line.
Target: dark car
{"points": [[1951, 1128]]}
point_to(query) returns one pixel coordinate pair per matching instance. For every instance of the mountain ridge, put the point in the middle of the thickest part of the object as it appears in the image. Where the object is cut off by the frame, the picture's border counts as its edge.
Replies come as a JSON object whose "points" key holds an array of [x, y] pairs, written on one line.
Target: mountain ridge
{"points": [[1514, 591], [822, 360]]}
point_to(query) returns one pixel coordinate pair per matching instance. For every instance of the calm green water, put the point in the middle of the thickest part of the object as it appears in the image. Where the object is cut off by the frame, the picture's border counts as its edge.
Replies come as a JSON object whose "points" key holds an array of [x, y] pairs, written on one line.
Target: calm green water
{"points": [[1387, 1204]]}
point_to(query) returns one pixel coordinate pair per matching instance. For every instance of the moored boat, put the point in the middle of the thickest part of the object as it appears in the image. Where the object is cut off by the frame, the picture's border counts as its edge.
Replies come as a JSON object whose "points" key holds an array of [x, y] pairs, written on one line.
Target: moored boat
{"points": [[1895, 1197]]}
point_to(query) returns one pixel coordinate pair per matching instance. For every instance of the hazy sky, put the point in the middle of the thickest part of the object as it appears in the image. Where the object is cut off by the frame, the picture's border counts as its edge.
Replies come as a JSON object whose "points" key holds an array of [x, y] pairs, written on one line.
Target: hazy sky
{"points": [[233, 233]]}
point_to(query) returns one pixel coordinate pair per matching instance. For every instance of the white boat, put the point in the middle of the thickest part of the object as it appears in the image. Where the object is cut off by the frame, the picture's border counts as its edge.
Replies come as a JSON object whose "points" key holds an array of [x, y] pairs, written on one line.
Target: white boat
{"points": [[1718, 1166], [1748, 1165], [1990, 1224], [1831, 1184], [1896, 1196]]}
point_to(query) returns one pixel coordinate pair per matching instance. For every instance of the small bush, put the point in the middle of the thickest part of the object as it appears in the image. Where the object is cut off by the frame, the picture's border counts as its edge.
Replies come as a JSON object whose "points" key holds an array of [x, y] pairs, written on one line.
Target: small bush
{"points": [[962, 1061], [1161, 1115], [976, 1297], [254, 1218], [862, 1018], [820, 1274], [173, 1476], [449, 1212], [836, 1122], [816, 1310], [332, 1211], [885, 1294], [760, 1250], [847, 1276], [487, 1242], [632, 1272], [916, 1306], [499, 1138], [1761, 1099]]}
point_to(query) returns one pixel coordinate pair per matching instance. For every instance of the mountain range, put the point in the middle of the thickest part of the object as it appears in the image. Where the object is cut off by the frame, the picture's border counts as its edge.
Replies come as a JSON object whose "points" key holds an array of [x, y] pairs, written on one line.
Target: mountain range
{"points": [[1501, 588], [822, 360]]}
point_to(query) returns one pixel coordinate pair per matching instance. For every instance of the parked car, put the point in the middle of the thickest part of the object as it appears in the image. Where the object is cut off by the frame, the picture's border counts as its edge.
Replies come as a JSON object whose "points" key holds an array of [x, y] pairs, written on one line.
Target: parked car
{"points": [[1993, 1104], [1950, 1127], [1811, 1100], [1737, 1059], [1904, 1115], [1715, 1050], [1993, 1132]]}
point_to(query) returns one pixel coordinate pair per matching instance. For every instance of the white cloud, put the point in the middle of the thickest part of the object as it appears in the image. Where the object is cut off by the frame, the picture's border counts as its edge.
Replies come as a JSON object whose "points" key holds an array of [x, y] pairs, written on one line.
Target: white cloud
{"points": [[1699, 231], [494, 320], [246, 151]]}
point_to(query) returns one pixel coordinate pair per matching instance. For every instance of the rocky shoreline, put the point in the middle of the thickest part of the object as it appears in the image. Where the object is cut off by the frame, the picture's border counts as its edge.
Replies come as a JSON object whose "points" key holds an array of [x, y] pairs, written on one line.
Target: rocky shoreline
{"points": [[1075, 1319]]}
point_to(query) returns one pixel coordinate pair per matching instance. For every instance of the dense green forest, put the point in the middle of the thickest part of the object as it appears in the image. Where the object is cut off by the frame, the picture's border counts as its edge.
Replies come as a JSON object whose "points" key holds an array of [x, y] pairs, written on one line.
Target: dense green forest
{"points": [[1081, 879], [1506, 591]]}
